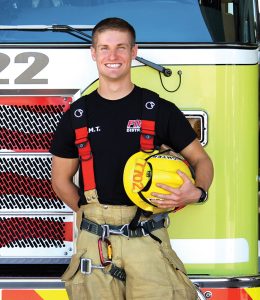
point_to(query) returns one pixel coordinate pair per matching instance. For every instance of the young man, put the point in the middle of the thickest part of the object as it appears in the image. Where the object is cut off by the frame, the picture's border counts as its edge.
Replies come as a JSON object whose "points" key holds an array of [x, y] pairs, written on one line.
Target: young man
{"points": [[139, 267]]}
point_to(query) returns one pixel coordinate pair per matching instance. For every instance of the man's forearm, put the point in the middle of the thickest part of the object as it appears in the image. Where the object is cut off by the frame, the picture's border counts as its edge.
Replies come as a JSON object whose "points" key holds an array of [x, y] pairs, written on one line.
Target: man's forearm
{"points": [[63, 171], [204, 173], [68, 193]]}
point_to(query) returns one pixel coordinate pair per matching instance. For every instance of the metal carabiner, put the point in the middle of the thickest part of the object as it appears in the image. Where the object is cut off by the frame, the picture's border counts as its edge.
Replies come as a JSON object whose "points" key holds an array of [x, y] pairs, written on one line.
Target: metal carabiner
{"points": [[108, 260]]}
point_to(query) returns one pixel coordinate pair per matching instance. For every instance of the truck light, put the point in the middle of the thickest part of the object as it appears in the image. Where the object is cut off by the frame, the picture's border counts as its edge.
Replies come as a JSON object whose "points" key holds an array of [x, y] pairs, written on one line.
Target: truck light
{"points": [[199, 122]]}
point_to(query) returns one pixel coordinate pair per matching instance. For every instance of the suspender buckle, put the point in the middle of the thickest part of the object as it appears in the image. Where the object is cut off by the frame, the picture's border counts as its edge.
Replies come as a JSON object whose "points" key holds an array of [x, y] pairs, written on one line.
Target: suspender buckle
{"points": [[148, 136]]}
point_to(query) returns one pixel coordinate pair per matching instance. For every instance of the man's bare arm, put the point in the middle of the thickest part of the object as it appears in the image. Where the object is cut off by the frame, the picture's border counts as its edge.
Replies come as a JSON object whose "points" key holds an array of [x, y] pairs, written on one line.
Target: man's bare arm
{"points": [[63, 170], [201, 162]]}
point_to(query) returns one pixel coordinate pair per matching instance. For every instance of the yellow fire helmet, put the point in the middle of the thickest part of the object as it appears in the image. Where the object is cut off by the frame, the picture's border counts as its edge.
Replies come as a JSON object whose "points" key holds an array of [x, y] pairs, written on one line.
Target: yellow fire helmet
{"points": [[144, 170]]}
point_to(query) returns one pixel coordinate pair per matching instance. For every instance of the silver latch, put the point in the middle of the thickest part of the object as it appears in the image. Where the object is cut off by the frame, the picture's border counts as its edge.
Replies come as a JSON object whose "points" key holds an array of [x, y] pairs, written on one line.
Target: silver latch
{"points": [[86, 266]]}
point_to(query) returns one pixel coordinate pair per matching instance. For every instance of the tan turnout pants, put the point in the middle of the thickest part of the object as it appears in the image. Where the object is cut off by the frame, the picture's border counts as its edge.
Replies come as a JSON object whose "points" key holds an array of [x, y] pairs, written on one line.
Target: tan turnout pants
{"points": [[153, 270]]}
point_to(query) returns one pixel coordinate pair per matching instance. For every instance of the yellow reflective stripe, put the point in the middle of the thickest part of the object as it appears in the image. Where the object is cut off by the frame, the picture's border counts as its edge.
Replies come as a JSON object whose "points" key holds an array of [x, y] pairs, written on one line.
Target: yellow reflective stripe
{"points": [[254, 293], [52, 294]]}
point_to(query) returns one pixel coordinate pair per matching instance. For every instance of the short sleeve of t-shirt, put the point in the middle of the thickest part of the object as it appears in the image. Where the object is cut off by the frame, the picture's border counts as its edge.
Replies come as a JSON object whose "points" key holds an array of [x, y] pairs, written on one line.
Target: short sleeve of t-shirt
{"points": [[63, 143], [172, 127]]}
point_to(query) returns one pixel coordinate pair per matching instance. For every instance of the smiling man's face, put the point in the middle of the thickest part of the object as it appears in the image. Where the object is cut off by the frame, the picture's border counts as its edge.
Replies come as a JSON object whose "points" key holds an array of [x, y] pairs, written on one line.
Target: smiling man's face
{"points": [[113, 53]]}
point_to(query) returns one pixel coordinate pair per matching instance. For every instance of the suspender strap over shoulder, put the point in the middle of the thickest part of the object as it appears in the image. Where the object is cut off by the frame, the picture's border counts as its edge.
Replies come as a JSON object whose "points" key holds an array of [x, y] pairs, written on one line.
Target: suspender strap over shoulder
{"points": [[86, 158], [149, 110], [147, 135], [79, 123]]}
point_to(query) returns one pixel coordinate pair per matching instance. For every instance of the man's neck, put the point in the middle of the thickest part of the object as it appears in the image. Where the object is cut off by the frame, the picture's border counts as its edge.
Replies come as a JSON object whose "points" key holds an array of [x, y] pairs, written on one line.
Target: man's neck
{"points": [[114, 90]]}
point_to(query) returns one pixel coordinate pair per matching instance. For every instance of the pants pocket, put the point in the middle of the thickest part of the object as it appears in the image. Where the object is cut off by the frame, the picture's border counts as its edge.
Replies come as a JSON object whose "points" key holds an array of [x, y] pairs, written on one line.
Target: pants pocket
{"points": [[183, 288]]}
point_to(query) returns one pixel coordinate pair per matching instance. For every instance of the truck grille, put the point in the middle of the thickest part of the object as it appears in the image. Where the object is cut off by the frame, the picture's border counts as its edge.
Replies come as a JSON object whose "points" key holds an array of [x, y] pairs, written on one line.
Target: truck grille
{"points": [[32, 218]]}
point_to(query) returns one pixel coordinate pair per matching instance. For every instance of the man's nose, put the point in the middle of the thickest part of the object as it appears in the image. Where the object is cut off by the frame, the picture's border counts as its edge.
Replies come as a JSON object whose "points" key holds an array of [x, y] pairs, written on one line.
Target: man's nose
{"points": [[112, 53]]}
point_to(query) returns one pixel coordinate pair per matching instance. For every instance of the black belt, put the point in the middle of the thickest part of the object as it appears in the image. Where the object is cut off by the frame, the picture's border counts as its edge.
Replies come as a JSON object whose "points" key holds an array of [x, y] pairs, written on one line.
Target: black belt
{"points": [[104, 230]]}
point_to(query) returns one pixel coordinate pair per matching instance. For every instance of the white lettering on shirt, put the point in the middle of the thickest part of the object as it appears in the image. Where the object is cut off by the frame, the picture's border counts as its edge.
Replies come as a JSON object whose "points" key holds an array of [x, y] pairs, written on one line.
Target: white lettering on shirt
{"points": [[94, 129]]}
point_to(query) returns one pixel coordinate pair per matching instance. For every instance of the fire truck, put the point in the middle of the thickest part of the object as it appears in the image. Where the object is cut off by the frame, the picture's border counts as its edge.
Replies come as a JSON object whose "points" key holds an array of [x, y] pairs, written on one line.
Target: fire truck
{"points": [[200, 54]]}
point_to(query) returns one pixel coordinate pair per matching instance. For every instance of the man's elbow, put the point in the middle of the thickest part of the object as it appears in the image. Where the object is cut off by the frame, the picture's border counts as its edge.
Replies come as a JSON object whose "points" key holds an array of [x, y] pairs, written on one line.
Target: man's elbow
{"points": [[56, 185]]}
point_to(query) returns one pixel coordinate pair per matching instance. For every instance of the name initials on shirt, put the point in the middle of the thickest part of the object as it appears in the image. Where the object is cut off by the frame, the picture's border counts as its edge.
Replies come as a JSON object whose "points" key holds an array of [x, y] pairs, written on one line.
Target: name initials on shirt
{"points": [[94, 129]]}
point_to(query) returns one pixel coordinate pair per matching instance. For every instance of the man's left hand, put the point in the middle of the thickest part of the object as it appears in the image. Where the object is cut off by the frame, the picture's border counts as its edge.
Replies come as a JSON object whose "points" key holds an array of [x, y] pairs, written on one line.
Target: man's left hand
{"points": [[186, 194]]}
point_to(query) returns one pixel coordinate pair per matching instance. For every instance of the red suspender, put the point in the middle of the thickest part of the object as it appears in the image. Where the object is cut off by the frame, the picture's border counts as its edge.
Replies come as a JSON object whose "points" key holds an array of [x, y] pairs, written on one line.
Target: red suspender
{"points": [[147, 135], [86, 158]]}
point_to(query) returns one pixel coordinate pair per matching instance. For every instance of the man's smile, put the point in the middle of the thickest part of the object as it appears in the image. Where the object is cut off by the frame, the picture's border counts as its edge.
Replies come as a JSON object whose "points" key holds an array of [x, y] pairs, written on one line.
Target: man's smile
{"points": [[113, 66]]}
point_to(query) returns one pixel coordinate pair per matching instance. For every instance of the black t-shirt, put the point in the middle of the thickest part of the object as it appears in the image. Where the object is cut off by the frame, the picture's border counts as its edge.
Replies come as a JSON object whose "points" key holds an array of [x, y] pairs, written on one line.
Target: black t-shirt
{"points": [[114, 134]]}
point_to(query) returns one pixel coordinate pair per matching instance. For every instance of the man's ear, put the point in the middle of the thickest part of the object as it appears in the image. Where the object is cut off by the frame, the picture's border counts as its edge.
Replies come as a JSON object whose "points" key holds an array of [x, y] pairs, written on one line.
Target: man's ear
{"points": [[134, 51], [93, 53]]}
